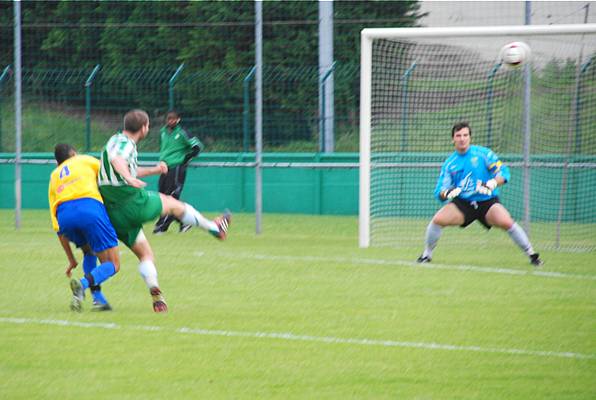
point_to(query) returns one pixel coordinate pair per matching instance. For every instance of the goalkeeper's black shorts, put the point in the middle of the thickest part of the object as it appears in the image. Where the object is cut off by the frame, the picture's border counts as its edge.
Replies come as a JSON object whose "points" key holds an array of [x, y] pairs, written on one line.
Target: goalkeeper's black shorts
{"points": [[475, 210]]}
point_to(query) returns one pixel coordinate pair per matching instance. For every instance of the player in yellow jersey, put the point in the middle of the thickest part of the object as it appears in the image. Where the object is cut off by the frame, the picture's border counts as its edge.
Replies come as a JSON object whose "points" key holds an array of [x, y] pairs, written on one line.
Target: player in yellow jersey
{"points": [[79, 216]]}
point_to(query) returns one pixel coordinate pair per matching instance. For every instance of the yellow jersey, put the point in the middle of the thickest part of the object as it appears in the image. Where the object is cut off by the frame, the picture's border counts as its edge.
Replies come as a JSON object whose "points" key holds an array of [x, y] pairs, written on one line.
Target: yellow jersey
{"points": [[75, 178]]}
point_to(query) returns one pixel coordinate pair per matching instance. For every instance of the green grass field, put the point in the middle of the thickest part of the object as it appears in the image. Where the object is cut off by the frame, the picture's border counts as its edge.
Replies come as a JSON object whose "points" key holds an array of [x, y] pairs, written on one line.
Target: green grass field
{"points": [[299, 312]]}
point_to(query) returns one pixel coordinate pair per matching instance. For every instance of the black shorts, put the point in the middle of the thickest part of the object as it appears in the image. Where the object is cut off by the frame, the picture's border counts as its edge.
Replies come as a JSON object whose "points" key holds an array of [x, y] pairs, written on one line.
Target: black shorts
{"points": [[475, 210]]}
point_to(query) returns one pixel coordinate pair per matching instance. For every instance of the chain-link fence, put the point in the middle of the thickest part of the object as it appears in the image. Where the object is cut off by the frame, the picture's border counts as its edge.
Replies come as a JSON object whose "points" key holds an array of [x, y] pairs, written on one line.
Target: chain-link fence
{"points": [[84, 106], [86, 63]]}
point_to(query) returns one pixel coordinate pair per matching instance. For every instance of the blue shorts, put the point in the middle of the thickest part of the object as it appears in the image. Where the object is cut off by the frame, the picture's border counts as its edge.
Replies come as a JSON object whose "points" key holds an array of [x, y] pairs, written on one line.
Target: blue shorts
{"points": [[85, 221]]}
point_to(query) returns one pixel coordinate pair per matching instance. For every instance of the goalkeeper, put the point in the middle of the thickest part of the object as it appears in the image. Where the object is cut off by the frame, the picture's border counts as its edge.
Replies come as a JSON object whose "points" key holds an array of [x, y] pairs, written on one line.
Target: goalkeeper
{"points": [[469, 181], [177, 149]]}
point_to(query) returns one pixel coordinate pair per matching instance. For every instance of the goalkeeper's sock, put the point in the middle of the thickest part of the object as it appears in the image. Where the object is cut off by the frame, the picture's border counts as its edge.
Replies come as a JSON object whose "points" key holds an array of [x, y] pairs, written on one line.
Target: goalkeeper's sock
{"points": [[195, 218], [433, 233], [89, 263], [149, 273], [518, 235]]}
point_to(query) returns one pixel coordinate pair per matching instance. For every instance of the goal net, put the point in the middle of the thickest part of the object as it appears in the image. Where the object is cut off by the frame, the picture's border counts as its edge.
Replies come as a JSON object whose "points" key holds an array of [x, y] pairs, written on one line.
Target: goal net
{"points": [[539, 118]]}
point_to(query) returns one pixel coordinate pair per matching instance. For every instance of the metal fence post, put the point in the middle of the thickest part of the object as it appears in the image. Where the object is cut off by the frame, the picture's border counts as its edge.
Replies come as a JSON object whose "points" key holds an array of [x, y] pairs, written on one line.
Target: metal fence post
{"points": [[404, 110], [171, 84], [246, 109], [323, 105], [489, 104], [88, 84], [578, 136], [3, 77]]}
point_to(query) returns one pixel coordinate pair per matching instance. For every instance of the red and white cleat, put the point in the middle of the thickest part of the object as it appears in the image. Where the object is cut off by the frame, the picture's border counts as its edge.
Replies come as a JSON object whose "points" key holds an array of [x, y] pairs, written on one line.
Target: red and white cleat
{"points": [[159, 302], [223, 223]]}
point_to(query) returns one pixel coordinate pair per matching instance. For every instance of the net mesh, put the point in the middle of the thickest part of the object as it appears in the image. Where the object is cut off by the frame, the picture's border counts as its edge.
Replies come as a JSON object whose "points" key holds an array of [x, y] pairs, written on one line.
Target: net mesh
{"points": [[420, 88]]}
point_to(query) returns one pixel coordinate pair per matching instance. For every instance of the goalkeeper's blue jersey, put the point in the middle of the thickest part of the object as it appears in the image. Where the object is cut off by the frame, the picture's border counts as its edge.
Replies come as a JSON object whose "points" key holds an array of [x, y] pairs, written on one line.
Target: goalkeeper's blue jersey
{"points": [[466, 171]]}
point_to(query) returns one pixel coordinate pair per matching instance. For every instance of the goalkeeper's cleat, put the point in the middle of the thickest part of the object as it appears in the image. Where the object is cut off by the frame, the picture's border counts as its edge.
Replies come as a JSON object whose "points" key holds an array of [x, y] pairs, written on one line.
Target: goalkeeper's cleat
{"points": [[535, 260], [159, 302], [423, 259], [98, 306], [184, 228], [78, 295], [223, 223]]}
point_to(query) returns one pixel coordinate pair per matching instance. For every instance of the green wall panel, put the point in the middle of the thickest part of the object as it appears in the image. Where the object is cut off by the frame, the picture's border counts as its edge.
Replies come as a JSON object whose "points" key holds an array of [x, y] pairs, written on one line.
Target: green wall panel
{"points": [[330, 191], [285, 190]]}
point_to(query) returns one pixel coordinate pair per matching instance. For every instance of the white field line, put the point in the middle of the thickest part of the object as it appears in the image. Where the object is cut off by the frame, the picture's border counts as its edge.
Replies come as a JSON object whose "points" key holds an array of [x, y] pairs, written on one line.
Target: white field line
{"points": [[303, 338], [403, 263]]}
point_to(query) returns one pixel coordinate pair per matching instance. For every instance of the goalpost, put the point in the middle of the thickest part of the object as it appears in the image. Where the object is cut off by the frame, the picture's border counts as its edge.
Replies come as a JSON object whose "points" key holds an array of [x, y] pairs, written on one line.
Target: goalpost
{"points": [[540, 119]]}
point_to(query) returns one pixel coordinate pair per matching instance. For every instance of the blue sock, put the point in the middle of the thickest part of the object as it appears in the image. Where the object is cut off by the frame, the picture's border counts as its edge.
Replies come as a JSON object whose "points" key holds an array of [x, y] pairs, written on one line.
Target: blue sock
{"points": [[89, 263], [103, 272], [100, 274], [85, 283], [98, 297]]}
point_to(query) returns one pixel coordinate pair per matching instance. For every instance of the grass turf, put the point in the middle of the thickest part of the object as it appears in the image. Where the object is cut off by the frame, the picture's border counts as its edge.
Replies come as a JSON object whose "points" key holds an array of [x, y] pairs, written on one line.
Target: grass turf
{"points": [[299, 312]]}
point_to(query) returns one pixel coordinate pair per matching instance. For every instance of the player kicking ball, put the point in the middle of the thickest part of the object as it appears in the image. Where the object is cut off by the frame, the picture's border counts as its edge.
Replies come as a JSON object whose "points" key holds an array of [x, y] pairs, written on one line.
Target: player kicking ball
{"points": [[469, 180], [129, 205]]}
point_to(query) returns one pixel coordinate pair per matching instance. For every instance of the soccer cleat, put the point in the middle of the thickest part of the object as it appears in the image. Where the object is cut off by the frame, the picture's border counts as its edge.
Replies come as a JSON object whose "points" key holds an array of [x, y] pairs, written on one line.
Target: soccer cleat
{"points": [[78, 295], [97, 306], [158, 231], [159, 302], [223, 223], [423, 260], [535, 260], [184, 228]]}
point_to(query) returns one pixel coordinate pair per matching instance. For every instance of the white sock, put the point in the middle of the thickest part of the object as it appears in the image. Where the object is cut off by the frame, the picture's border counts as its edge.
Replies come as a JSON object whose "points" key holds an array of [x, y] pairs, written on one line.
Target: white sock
{"points": [[149, 273], [433, 233], [521, 239], [195, 218]]}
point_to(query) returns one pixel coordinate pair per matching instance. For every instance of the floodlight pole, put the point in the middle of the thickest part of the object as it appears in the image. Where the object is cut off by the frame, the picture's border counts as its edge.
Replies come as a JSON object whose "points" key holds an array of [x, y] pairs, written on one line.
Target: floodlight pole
{"points": [[326, 81], [258, 115], [18, 112]]}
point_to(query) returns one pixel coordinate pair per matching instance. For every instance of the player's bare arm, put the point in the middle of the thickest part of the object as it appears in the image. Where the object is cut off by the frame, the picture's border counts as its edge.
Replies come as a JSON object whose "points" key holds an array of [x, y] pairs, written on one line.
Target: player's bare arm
{"points": [[72, 262], [160, 168], [121, 166]]}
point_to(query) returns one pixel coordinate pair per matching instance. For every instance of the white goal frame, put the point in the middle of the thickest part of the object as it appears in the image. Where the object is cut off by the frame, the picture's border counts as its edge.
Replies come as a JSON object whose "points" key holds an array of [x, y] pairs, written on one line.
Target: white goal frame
{"points": [[367, 37]]}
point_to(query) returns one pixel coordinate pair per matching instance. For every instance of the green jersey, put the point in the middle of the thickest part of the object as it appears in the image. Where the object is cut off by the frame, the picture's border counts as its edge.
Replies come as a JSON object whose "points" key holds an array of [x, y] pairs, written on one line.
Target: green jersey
{"points": [[176, 145], [122, 146], [128, 207]]}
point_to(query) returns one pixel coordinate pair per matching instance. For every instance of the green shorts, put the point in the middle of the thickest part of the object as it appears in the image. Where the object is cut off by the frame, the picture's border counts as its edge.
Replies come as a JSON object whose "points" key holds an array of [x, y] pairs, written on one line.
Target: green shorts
{"points": [[129, 208]]}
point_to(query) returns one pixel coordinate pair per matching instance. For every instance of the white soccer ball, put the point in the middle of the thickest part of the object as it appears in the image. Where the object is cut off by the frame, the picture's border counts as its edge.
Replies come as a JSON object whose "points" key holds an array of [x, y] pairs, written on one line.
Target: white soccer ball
{"points": [[515, 54]]}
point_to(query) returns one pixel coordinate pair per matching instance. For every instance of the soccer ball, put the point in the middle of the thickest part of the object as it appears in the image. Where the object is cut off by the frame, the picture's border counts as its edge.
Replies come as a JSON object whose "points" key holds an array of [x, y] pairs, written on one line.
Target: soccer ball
{"points": [[514, 54]]}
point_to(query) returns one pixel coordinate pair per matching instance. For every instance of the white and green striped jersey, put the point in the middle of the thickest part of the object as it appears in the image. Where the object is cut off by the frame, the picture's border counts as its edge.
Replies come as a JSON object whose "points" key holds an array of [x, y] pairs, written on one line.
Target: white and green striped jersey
{"points": [[119, 145]]}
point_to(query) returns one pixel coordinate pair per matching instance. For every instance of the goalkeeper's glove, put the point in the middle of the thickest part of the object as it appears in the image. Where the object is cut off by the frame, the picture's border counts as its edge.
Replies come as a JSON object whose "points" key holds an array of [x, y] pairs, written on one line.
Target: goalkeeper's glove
{"points": [[487, 187], [452, 193]]}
